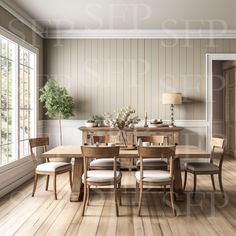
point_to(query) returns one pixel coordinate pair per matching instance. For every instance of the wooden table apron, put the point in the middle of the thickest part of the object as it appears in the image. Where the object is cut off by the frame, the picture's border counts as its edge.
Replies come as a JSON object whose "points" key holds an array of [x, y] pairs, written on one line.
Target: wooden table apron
{"points": [[182, 151]]}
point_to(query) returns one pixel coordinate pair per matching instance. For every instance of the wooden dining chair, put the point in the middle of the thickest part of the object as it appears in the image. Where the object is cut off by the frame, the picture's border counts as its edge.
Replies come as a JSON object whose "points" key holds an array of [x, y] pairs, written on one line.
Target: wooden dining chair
{"points": [[48, 168], [101, 177], [155, 177], [151, 163], [103, 163], [208, 168]]}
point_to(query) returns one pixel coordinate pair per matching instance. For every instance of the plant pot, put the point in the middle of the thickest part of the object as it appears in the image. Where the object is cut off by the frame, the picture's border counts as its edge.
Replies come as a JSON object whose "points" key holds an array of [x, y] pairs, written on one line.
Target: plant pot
{"points": [[100, 123], [89, 124]]}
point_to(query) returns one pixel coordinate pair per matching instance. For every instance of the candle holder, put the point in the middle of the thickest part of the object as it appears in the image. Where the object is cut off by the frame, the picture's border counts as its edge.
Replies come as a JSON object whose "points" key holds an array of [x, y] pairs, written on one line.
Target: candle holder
{"points": [[145, 121]]}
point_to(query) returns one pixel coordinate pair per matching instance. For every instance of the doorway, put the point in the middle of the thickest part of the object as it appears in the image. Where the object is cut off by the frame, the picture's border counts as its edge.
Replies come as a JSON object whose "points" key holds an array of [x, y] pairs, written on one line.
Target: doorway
{"points": [[221, 91]]}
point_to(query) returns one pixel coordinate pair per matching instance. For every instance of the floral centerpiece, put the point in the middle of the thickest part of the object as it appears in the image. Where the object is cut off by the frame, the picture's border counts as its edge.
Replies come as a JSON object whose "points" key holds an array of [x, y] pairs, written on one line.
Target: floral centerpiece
{"points": [[122, 119]]}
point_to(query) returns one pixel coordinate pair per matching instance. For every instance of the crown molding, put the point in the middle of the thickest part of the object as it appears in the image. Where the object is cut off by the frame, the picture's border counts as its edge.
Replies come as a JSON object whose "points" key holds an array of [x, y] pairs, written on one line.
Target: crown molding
{"points": [[132, 34], [21, 15]]}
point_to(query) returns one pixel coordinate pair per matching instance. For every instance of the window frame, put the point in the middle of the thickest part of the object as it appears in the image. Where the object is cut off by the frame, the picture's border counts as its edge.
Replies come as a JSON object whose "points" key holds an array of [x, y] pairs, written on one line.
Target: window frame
{"points": [[22, 43]]}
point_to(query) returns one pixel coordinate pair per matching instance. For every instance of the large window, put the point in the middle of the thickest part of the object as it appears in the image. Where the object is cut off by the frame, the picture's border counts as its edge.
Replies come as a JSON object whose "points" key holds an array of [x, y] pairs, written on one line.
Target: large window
{"points": [[17, 105]]}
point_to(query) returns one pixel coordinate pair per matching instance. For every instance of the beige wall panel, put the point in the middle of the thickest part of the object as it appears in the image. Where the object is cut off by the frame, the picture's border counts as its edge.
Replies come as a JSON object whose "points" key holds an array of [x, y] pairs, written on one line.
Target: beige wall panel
{"points": [[134, 73], [127, 63], [100, 71], [120, 74], [141, 78], [113, 94], [148, 78], [80, 98], [105, 74], [162, 77], [155, 79]]}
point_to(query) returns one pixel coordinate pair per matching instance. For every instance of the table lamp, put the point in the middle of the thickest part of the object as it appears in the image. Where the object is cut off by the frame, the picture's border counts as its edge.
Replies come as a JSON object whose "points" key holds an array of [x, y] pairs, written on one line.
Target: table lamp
{"points": [[172, 99]]}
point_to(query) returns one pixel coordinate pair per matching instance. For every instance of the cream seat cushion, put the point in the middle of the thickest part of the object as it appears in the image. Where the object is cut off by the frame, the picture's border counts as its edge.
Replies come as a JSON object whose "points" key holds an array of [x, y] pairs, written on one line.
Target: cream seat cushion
{"points": [[154, 176], [106, 162], [202, 166], [53, 166], [152, 162], [101, 176]]}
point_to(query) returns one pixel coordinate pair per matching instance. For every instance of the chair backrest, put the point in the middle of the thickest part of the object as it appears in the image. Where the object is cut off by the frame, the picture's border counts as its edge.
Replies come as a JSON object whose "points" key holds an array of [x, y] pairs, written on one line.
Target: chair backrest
{"points": [[217, 145], [156, 139], [99, 152], [154, 152], [103, 139], [35, 143]]}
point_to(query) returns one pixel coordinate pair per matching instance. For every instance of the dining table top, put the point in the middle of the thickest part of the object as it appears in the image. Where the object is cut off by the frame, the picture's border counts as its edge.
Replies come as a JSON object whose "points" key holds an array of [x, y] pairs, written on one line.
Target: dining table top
{"points": [[74, 151]]}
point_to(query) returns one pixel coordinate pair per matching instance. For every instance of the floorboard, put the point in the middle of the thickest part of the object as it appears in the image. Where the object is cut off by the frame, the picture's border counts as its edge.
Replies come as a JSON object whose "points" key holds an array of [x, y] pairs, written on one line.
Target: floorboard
{"points": [[207, 214]]}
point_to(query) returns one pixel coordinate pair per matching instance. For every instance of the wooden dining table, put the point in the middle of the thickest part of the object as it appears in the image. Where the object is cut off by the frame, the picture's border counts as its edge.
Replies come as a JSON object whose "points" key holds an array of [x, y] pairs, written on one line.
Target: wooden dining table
{"points": [[74, 151]]}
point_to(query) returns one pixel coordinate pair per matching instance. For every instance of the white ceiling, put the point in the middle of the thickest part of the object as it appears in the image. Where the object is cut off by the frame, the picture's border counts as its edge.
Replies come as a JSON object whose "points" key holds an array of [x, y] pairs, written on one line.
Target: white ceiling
{"points": [[131, 14]]}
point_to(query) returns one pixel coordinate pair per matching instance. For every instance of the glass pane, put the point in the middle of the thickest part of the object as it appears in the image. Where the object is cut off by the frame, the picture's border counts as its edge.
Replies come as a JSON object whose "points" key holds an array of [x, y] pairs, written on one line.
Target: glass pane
{"points": [[31, 60], [4, 47], [12, 51]]}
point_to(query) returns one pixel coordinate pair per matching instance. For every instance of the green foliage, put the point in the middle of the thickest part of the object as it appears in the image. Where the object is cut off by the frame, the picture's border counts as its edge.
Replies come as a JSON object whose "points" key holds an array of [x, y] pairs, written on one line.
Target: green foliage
{"points": [[56, 100]]}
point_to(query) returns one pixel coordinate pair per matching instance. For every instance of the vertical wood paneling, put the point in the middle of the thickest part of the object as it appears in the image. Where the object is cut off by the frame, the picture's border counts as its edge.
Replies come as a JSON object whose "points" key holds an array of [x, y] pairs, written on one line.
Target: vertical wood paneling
{"points": [[113, 95], [141, 78], [189, 80], [81, 102], [148, 77], [127, 62], [100, 77], [120, 74], [94, 77], [106, 74], [155, 78], [162, 74], [134, 74], [183, 76], [88, 70], [176, 72], [168, 72], [197, 78]]}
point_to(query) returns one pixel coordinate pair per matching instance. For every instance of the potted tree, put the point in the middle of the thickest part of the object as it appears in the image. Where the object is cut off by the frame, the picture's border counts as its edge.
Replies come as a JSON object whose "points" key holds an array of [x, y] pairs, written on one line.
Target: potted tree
{"points": [[57, 102]]}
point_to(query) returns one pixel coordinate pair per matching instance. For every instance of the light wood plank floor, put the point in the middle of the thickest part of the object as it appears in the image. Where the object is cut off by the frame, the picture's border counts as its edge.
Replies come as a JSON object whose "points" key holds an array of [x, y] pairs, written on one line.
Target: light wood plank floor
{"points": [[208, 214]]}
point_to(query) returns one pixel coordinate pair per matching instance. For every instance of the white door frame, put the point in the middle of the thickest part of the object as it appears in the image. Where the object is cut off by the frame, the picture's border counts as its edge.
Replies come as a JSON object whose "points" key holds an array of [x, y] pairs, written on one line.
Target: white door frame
{"points": [[210, 57]]}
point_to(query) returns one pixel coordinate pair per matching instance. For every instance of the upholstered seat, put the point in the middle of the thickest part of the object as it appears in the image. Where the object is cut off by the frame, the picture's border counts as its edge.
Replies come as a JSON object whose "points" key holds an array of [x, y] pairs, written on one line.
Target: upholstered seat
{"points": [[152, 162], [53, 166], [154, 176], [103, 162], [101, 176], [202, 167]]}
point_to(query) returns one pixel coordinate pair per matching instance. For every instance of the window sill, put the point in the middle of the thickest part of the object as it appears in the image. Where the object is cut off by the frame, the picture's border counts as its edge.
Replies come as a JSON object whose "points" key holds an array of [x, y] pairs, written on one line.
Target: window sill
{"points": [[14, 164]]}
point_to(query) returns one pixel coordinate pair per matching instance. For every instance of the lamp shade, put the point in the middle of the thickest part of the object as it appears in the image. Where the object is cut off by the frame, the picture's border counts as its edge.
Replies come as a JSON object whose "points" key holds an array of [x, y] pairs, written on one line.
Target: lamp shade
{"points": [[172, 98]]}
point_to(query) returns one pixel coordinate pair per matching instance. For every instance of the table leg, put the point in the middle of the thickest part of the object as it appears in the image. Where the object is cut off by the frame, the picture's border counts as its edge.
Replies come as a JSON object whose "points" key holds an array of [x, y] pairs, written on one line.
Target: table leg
{"points": [[77, 186], [178, 189]]}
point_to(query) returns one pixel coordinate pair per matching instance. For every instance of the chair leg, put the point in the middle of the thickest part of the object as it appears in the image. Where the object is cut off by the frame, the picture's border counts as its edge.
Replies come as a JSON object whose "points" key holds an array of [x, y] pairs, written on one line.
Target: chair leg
{"points": [[185, 178], [55, 185], [119, 189], [70, 178], [136, 193], [87, 201], [213, 182], [85, 198], [35, 184], [172, 199], [140, 199], [115, 193], [220, 183], [194, 185], [47, 182]]}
